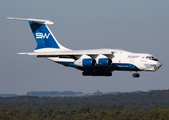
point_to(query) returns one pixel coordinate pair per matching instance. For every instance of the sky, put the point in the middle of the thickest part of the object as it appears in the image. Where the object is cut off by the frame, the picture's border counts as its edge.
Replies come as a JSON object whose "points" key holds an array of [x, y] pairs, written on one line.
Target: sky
{"points": [[140, 26]]}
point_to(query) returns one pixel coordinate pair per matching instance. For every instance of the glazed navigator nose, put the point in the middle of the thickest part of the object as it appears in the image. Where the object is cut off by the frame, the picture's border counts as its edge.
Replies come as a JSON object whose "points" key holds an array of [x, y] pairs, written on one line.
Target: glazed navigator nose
{"points": [[159, 64]]}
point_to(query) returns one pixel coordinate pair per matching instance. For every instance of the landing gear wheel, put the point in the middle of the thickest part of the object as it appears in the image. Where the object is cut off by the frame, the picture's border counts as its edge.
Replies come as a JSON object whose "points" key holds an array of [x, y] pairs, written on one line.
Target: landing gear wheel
{"points": [[108, 74], [85, 73], [136, 75]]}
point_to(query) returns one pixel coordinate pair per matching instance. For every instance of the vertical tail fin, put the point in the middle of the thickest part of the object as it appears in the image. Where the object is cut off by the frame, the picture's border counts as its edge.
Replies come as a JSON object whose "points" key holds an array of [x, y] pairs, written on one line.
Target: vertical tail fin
{"points": [[44, 38]]}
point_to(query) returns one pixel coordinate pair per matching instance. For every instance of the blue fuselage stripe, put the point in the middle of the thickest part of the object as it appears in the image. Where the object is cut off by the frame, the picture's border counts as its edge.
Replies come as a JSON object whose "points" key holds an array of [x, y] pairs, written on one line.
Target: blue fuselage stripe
{"points": [[115, 66]]}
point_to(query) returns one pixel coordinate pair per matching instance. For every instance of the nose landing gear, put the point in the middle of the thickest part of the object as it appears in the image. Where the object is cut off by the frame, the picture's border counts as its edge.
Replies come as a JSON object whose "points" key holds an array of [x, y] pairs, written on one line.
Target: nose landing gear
{"points": [[136, 75]]}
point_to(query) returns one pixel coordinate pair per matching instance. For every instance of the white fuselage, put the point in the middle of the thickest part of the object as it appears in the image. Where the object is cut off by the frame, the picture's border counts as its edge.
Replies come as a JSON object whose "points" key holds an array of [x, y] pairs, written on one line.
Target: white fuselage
{"points": [[121, 60]]}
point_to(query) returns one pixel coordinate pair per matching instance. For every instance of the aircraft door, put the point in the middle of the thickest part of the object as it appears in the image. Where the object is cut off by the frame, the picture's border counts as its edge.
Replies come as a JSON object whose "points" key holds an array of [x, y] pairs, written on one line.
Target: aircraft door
{"points": [[131, 63]]}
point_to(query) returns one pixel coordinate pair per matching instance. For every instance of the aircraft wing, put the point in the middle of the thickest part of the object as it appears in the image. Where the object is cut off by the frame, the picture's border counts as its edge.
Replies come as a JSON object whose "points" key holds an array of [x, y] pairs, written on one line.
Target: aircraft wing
{"points": [[72, 53]]}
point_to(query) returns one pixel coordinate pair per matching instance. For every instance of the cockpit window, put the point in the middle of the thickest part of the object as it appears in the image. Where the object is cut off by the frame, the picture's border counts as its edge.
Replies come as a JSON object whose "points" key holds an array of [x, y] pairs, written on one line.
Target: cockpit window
{"points": [[152, 58]]}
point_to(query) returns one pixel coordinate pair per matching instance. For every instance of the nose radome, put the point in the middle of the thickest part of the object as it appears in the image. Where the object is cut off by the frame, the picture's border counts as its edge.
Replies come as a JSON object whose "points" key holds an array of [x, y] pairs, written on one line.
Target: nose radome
{"points": [[159, 64]]}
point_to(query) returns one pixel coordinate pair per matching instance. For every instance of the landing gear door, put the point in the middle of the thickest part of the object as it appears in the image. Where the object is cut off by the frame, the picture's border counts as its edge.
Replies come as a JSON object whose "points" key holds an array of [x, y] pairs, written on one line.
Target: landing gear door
{"points": [[131, 63]]}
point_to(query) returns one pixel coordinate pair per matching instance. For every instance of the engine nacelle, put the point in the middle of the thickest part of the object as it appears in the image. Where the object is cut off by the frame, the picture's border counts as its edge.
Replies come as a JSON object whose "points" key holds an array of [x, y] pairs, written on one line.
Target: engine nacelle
{"points": [[85, 61], [102, 60]]}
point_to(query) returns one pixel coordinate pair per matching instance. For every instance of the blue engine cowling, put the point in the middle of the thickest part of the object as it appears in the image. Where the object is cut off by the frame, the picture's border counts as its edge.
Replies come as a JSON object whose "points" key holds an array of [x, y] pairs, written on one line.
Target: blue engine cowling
{"points": [[87, 62], [105, 62]]}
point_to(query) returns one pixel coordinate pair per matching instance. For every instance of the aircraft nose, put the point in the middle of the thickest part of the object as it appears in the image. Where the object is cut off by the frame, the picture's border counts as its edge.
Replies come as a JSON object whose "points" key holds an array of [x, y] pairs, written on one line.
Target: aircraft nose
{"points": [[159, 64]]}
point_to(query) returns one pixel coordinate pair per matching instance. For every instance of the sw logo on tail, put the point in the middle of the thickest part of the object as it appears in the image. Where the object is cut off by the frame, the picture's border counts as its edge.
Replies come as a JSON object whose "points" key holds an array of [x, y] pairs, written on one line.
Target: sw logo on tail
{"points": [[40, 35], [96, 62]]}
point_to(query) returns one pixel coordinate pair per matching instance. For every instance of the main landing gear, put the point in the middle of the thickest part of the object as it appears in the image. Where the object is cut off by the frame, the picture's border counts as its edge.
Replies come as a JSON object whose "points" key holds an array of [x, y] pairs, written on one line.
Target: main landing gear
{"points": [[96, 74], [136, 75]]}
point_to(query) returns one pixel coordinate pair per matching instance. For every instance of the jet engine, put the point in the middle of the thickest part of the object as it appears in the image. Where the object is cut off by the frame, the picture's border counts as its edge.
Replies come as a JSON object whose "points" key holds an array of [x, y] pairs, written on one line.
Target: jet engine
{"points": [[85, 61], [104, 61]]}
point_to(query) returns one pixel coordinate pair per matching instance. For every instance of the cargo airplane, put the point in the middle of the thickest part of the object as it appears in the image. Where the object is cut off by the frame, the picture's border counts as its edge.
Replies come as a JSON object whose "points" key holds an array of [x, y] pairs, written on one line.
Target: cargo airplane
{"points": [[94, 62]]}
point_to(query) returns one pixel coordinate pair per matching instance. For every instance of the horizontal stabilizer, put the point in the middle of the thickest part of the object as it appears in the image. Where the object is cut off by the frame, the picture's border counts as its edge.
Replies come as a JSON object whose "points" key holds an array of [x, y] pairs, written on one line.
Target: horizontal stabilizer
{"points": [[40, 21]]}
